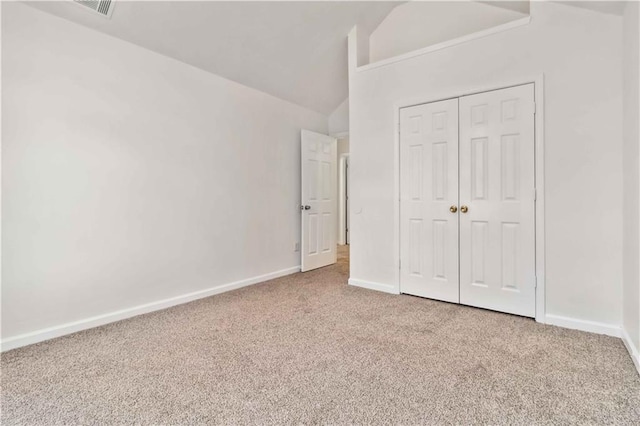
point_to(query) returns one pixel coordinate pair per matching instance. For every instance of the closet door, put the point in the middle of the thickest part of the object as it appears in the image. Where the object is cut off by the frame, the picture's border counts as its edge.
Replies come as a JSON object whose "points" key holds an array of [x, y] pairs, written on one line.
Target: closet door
{"points": [[429, 200], [497, 230]]}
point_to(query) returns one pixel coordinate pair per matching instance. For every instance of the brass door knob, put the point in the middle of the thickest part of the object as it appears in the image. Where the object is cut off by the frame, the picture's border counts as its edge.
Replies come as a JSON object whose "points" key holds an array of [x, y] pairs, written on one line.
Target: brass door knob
{"points": [[453, 209], [464, 209]]}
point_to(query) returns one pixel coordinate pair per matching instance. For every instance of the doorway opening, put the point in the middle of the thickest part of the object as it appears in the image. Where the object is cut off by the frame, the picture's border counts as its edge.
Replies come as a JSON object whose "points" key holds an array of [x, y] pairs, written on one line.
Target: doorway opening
{"points": [[343, 191]]}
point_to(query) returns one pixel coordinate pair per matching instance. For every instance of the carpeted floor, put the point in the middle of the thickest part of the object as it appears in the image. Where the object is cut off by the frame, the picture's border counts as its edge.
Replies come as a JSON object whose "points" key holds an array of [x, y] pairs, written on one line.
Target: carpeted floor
{"points": [[309, 349]]}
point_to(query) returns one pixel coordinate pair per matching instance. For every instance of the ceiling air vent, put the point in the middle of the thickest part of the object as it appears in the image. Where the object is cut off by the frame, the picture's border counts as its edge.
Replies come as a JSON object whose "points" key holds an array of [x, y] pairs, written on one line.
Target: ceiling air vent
{"points": [[101, 7]]}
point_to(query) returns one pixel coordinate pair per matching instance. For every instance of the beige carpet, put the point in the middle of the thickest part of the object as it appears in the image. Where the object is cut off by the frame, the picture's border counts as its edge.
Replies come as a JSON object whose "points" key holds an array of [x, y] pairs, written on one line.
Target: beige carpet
{"points": [[310, 349]]}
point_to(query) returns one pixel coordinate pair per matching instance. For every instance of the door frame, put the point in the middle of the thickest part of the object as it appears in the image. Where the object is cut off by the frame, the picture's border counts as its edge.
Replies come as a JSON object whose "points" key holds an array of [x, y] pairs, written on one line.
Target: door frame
{"points": [[539, 219], [343, 195]]}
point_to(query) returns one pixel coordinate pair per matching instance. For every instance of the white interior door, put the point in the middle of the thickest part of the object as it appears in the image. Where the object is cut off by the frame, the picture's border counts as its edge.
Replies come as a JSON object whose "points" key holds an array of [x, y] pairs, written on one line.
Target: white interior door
{"points": [[319, 200], [428, 200], [497, 229]]}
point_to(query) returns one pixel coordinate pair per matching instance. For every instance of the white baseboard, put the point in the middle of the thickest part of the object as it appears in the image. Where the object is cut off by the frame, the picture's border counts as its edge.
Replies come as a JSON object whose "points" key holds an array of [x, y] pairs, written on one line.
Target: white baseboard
{"points": [[386, 288], [633, 350], [583, 325], [96, 321]]}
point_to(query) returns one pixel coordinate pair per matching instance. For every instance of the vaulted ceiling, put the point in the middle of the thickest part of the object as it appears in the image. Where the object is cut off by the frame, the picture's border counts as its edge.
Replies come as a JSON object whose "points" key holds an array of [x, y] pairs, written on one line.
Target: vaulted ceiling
{"points": [[296, 51]]}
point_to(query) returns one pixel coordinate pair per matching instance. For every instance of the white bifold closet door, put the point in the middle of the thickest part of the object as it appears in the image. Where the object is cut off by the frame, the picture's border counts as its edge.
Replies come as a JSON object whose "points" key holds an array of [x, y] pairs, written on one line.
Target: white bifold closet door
{"points": [[497, 181], [429, 189], [467, 231]]}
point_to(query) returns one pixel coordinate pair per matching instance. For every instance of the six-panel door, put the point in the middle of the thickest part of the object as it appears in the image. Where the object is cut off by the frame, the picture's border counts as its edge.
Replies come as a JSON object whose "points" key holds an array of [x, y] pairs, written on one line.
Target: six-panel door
{"points": [[483, 254], [319, 200], [497, 181], [429, 190]]}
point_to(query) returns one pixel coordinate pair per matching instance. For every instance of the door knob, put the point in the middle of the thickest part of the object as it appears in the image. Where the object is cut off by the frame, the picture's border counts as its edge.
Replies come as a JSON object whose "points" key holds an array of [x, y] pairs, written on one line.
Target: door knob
{"points": [[453, 209], [305, 207], [464, 209]]}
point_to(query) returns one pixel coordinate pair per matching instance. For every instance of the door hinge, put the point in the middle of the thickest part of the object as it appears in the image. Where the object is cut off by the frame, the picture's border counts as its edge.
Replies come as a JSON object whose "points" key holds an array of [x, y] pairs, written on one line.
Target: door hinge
{"points": [[535, 194], [535, 108], [535, 281]]}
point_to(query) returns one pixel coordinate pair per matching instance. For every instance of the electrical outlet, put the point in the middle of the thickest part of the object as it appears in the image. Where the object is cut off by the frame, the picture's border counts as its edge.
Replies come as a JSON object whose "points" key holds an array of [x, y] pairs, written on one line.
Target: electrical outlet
{"points": [[296, 247]]}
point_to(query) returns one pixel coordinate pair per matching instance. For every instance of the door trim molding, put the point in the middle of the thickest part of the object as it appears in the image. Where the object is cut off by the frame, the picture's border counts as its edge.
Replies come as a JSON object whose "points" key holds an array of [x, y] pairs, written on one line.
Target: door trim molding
{"points": [[342, 198], [538, 82], [340, 135]]}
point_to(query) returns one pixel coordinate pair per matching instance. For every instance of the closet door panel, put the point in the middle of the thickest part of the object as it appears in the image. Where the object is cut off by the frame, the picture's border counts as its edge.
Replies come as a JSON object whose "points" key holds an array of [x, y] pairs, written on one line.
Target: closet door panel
{"points": [[428, 191], [497, 181]]}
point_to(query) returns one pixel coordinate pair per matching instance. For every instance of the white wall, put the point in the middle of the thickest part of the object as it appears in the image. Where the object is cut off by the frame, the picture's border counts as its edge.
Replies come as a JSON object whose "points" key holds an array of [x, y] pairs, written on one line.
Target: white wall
{"points": [[339, 119], [129, 177], [631, 185], [417, 24], [579, 52]]}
